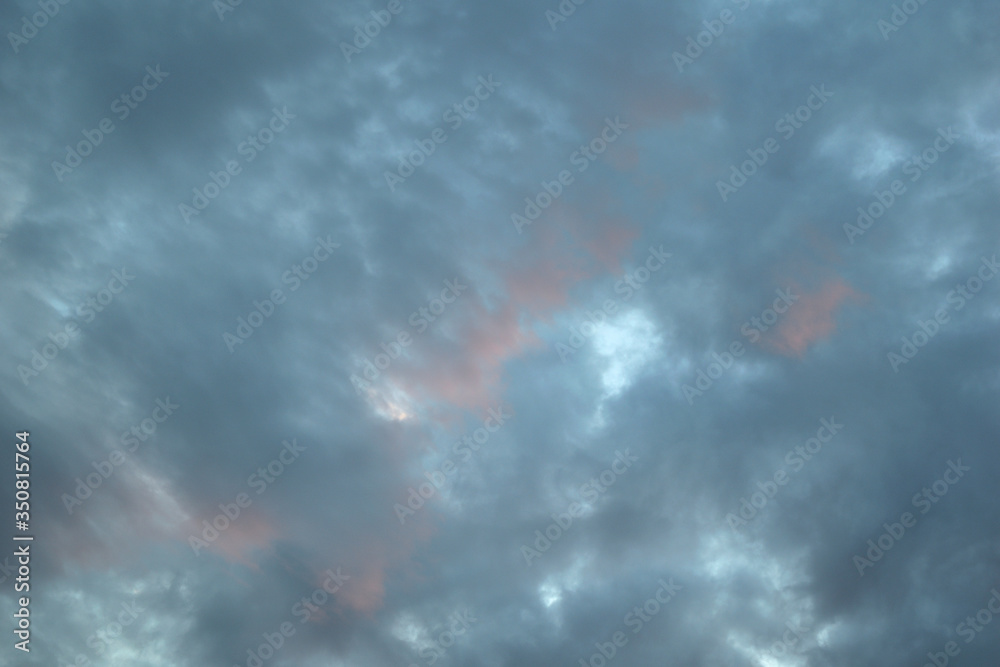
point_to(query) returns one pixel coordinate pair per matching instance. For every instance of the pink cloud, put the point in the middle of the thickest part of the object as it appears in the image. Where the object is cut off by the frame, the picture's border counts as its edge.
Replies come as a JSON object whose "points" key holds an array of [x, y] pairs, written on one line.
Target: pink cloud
{"points": [[466, 369], [811, 319]]}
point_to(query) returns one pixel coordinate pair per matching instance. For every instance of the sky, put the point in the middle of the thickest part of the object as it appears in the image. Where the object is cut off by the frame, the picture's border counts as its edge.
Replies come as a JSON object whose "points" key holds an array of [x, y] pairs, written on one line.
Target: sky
{"points": [[405, 333]]}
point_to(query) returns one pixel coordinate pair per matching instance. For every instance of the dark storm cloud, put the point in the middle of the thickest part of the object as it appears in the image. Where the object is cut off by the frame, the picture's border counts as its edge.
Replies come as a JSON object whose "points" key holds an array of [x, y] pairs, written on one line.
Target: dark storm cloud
{"points": [[302, 299]]}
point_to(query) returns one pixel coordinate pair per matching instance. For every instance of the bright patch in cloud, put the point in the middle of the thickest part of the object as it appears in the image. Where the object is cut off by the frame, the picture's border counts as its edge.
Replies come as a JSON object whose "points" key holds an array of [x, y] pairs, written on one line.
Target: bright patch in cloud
{"points": [[627, 344]]}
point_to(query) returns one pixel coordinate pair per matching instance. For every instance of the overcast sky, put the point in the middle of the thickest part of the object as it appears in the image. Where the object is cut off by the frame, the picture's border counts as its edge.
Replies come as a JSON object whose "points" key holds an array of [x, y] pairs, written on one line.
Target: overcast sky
{"points": [[503, 334]]}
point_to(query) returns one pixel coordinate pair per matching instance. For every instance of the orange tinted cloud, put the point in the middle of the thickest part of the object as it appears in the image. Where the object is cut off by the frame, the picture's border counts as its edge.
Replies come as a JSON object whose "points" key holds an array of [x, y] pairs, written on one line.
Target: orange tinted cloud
{"points": [[607, 243], [366, 590], [655, 104], [466, 369], [247, 534], [811, 319]]}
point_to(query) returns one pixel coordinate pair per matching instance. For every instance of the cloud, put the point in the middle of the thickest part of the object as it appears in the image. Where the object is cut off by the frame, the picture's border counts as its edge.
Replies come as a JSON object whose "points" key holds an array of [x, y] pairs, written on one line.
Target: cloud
{"points": [[812, 320], [367, 447]]}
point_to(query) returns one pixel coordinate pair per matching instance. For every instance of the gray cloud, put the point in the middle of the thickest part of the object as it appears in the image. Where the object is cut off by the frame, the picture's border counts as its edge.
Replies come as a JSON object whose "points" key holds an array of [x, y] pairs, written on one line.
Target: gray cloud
{"points": [[83, 379]]}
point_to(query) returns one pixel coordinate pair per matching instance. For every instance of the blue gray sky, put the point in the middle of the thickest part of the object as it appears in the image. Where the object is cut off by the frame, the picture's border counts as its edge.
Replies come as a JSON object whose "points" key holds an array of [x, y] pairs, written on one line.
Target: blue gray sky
{"points": [[405, 333]]}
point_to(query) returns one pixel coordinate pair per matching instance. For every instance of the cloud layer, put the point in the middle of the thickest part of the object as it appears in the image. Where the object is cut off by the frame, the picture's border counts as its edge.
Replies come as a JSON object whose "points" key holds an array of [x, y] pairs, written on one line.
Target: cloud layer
{"points": [[322, 317]]}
